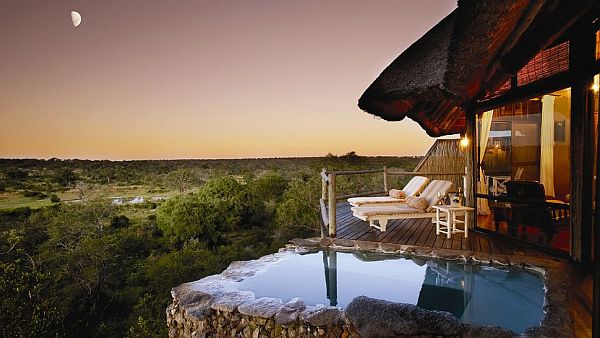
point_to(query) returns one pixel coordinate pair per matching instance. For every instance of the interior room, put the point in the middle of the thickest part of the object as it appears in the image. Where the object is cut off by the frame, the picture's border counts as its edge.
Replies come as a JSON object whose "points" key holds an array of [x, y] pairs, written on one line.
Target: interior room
{"points": [[525, 169]]}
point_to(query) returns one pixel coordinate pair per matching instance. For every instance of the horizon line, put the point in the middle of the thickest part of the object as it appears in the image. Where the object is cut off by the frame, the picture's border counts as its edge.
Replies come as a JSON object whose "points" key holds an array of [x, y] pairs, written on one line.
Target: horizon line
{"points": [[190, 159]]}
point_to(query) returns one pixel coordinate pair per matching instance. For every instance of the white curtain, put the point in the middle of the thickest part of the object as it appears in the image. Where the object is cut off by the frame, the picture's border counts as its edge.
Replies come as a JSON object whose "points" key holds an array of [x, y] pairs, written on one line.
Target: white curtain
{"points": [[482, 187], [547, 145]]}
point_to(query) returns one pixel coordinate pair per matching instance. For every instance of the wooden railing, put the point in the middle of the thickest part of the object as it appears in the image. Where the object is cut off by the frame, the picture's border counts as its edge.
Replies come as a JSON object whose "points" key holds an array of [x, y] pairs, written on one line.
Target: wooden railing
{"points": [[329, 196]]}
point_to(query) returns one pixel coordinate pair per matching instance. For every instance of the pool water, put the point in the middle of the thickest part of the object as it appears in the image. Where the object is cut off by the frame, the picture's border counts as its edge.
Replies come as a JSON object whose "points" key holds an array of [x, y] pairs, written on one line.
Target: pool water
{"points": [[511, 298]]}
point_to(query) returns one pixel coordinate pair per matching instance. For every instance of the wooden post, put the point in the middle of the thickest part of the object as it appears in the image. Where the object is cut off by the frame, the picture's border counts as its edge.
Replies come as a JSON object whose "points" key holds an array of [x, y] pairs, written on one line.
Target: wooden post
{"points": [[323, 185], [385, 180], [596, 283], [332, 205], [470, 170], [323, 204]]}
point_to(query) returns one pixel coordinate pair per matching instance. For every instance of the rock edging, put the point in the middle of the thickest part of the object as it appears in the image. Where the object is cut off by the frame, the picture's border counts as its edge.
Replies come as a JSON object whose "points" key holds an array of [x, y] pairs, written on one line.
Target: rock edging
{"points": [[213, 307]]}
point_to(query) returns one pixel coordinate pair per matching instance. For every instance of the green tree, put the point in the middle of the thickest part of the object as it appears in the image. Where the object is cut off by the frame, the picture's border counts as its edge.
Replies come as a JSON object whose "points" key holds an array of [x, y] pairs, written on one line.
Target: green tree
{"points": [[30, 305], [181, 179], [65, 177], [83, 254], [16, 174], [298, 213], [186, 218]]}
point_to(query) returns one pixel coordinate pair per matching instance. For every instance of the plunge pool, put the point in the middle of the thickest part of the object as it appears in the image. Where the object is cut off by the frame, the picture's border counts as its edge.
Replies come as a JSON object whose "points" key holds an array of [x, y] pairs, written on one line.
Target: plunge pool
{"points": [[509, 297]]}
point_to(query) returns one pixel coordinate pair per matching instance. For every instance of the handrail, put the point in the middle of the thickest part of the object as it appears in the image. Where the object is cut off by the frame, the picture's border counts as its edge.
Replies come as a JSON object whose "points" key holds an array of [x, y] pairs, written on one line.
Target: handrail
{"points": [[373, 171], [424, 173], [355, 172]]}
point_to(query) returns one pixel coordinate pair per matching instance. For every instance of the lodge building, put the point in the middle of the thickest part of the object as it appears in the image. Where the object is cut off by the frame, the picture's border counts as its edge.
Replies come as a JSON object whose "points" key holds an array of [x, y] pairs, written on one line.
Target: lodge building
{"points": [[519, 80]]}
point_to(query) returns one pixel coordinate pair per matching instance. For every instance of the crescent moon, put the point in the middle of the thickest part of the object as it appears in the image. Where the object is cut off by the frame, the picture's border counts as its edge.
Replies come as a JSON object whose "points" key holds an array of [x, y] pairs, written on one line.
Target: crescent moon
{"points": [[76, 18]]}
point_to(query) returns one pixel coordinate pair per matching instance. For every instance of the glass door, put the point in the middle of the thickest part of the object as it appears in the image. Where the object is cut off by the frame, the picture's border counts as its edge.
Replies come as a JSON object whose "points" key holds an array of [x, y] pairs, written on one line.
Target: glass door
{"points": [[524, 181]]}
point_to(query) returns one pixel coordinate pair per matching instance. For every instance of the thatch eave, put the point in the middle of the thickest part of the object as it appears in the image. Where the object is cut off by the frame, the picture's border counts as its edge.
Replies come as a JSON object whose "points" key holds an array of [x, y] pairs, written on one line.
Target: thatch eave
{"points": [[474, 49]]}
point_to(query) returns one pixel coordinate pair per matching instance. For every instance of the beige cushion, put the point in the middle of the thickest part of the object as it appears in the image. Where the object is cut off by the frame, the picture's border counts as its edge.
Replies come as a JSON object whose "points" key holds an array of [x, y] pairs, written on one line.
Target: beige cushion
{"points": [[395, 193], [417, 202], [431, 192], [386, 210], [378, 200], [415, 185]]}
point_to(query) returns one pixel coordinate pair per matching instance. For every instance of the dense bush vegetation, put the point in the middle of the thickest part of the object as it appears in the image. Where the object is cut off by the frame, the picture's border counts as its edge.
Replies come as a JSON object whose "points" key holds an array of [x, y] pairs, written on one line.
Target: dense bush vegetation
{"points": [[97, 269]]}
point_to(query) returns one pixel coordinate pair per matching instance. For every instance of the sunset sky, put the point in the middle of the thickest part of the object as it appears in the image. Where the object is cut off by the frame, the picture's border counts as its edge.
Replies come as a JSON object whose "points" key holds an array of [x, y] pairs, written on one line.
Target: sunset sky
{"points": [[157, 79]]}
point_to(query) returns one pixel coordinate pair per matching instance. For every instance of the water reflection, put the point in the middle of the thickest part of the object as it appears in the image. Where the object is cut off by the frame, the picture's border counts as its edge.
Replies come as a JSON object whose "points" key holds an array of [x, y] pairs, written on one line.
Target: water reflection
{"points": [[472, 293], [330, 267], [510, 298]]}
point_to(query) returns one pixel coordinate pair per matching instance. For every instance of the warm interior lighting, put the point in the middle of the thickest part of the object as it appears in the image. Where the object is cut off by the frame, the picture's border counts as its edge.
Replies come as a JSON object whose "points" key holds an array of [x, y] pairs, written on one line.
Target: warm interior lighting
{"points": [[598, 45], [464, 142], [596, 85]]}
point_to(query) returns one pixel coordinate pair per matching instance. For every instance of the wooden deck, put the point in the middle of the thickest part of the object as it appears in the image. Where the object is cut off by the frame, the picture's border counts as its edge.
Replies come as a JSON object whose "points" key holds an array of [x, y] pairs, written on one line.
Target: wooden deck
{"points": [[421, 232]]}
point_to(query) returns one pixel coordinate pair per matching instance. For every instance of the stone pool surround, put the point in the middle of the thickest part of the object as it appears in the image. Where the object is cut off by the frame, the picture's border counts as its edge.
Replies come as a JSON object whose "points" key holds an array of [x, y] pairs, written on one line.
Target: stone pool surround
{"points": [[213, 307]]}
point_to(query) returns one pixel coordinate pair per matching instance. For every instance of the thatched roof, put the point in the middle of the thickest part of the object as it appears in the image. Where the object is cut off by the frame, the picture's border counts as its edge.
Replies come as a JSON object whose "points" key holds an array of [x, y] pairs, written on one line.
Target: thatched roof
{"points": [[475, 48]]}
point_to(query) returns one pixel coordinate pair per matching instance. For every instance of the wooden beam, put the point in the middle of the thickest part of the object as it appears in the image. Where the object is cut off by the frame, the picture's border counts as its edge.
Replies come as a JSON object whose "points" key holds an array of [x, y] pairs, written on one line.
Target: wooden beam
{"points": [[596, 285], [471, 163], [582, 143], [557, 18], [423, 173], [441, 112], [454, 115], [553, 83]]}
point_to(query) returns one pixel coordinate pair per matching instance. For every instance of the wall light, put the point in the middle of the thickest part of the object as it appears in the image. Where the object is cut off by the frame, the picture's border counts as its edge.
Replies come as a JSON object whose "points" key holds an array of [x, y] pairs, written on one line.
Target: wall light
{"points": [[464, 142], [596, 85]]}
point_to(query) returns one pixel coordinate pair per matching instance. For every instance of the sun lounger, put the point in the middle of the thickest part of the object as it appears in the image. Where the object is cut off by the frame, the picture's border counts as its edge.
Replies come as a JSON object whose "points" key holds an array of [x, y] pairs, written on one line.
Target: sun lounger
{"points": [[382, 214], [412, 188]]}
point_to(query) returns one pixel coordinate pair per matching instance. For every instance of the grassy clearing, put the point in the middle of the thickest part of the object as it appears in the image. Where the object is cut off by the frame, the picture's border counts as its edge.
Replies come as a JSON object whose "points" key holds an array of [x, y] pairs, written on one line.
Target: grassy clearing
{"points": [[13, 201]]}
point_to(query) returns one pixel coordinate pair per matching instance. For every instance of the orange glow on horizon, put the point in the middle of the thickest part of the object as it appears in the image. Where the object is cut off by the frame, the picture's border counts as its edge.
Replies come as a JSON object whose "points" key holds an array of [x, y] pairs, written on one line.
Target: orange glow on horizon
{"points": [[208, 80]]}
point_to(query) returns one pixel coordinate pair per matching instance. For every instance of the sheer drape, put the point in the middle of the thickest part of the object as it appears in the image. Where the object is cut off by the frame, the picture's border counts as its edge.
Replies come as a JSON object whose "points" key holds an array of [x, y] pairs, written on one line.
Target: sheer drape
{"points": [[482, 187], [547, 145]]}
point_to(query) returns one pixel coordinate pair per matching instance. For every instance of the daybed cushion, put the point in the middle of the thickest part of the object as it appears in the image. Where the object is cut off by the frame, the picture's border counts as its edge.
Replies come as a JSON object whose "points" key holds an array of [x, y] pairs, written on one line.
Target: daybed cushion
{"points": [[430, 193], [415, 185], [374, 200], [386, 210]]}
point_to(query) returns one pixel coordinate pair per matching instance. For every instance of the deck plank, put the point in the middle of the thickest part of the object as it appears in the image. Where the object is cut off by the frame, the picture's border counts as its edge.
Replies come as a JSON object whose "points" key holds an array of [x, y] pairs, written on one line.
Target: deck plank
{"points": [[421, 232]]}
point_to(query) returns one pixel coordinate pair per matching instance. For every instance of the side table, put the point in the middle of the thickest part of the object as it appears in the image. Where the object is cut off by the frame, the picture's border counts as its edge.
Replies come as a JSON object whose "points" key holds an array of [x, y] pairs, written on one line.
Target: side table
{"points": [[446, 219]]}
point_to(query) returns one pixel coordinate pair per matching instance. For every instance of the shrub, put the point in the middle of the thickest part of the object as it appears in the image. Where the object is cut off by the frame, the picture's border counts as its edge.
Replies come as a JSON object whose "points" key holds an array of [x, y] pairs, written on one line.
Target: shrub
{"points": [[54, 198], [119, 222], [34, 194], [64, 177]]}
